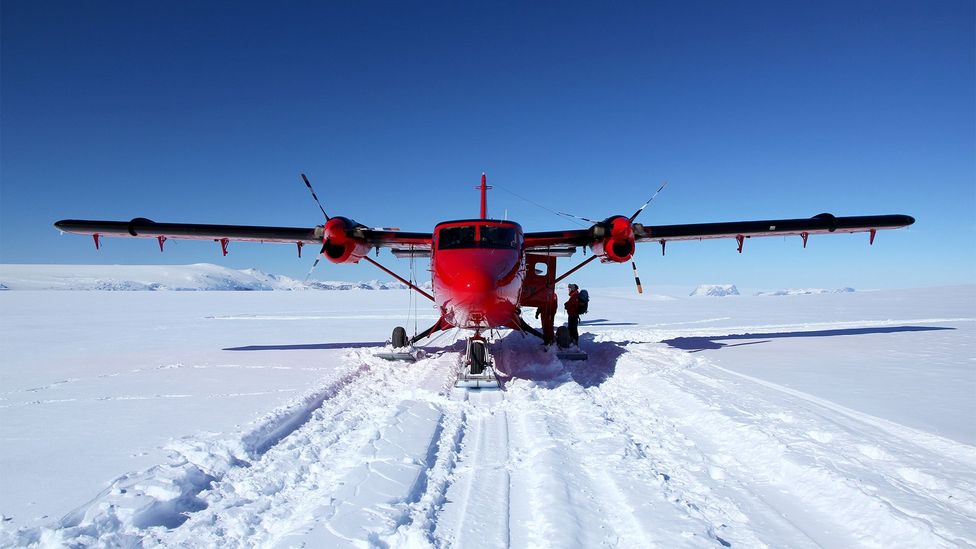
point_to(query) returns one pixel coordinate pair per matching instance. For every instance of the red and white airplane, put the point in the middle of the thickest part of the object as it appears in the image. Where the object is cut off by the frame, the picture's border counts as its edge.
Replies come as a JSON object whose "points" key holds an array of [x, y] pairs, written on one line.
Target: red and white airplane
{"points": [[484, 271]]}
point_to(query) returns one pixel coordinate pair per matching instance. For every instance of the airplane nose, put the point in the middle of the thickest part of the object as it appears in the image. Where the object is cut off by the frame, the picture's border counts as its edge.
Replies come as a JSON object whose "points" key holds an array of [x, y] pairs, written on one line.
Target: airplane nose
{"points": [[476, 282]]}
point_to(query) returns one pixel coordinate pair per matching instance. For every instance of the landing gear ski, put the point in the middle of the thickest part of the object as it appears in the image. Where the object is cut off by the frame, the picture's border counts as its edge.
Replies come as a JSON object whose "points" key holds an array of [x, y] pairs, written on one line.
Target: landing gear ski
{"points": [[400, 348], [565, 349], [477, 367]]}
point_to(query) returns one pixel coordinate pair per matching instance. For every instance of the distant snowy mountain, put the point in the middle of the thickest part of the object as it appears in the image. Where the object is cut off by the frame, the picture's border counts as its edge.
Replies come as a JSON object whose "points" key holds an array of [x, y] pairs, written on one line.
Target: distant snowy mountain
{"points": [[197, 277], [715, 290], [808, 291]]}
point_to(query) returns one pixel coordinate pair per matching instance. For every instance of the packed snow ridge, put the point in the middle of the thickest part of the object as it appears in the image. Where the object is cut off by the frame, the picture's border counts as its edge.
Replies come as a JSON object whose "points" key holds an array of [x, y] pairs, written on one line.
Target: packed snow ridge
{"points": [[197, 277], [715, 290]]}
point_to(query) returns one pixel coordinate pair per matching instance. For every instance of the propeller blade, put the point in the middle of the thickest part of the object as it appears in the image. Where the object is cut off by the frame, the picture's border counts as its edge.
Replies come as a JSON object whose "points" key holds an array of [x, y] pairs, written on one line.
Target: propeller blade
{"points": [[640, 290], [564, 214], [648, 202], [316, 263], [309, 185]]}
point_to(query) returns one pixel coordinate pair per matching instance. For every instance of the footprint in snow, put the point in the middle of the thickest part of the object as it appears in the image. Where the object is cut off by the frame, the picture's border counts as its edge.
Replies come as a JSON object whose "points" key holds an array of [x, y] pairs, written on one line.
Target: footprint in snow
{"points": [[717, 473], [873, 452], [915, 476], [820, 436]]}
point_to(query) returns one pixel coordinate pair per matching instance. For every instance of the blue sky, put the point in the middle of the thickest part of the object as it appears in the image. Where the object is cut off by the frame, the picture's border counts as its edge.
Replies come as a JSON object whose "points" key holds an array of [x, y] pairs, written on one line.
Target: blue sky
{"points": [[207, 112]]}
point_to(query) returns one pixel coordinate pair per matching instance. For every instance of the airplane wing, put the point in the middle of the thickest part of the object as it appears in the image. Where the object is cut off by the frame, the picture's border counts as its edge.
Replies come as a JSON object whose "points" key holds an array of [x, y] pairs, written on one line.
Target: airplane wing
{"points": [[819, 224], [556, 242], [141, 227]]}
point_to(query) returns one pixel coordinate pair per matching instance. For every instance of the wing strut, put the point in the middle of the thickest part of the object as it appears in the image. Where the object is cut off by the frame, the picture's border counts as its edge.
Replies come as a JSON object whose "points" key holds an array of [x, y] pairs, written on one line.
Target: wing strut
{"points": [[574, 269], [400, 278]]}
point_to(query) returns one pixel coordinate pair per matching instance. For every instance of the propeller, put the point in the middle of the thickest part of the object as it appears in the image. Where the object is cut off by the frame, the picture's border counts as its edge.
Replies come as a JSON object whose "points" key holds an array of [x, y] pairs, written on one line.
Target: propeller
{"points": [[315, 264], [327, 218], [639, 210], [311, 190], [640, 290], [564, 214]]}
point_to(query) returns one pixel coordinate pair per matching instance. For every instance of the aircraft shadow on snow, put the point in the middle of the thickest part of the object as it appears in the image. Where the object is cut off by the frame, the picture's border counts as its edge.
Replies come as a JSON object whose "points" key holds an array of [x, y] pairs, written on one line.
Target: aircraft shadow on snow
{"points": [[709, 343], [604, 322], [307, 346], [342, 345], [518, 357], [525, 358]]}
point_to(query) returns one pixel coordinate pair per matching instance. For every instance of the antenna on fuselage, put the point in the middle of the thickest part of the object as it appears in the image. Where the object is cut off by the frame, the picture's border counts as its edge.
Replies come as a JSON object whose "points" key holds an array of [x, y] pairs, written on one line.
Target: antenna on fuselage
{"points": [[484, 195]]}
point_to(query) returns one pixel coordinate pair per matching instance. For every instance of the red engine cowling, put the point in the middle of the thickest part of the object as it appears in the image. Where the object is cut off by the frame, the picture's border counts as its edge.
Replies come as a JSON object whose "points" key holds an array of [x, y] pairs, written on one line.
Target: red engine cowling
{"points": [[617, 240], [338, 245]]}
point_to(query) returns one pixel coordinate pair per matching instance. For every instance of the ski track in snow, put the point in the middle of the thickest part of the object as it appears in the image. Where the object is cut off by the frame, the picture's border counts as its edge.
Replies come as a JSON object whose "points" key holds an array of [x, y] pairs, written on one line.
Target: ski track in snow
{"points": [[643, 446]]}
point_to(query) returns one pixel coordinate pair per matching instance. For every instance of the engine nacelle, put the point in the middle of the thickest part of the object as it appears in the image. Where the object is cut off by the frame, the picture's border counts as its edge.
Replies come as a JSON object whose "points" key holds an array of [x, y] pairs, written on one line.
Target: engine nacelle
{"points": [[616, 239], [338, 245]]}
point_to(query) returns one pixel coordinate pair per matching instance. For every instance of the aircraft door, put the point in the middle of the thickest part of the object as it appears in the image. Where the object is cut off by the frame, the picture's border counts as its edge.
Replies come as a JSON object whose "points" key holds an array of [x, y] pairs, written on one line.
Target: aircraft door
{"points": [[540, 279]]}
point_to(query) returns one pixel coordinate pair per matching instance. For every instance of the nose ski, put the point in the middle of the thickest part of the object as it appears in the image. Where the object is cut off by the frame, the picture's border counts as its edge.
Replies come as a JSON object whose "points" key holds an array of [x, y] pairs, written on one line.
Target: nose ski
{"points": [[477, 367]]}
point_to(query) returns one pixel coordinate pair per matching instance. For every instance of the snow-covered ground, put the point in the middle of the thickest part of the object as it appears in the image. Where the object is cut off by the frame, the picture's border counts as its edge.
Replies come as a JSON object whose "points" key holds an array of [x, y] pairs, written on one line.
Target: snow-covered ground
{"points": [[262, 419]]}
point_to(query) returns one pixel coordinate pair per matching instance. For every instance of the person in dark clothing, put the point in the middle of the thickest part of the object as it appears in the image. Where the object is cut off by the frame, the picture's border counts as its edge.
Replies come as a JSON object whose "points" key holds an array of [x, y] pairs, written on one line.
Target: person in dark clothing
{"points": [[572, 309], [547, 313]]}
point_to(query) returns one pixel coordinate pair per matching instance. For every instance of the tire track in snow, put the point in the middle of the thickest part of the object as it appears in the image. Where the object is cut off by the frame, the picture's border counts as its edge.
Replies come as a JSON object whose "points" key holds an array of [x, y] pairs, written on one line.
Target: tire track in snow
{"points": [[161, 496], [243, 492], [582, 463], [902, 468], [579, 476], [287, 490], [390, 499], [801, 458], [418, 530], [655, 472], [477, 499]]}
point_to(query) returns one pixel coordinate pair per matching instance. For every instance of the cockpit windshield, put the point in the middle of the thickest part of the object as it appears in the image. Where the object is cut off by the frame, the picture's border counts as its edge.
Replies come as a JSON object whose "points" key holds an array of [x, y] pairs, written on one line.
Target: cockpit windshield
{"points": [[471, 236], [502, 238], [453, 238]]}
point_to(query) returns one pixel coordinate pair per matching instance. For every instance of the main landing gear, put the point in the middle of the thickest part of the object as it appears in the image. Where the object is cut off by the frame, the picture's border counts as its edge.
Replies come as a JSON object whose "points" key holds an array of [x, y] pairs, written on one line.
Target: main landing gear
{"points": [[565, 350], [478, 366], [400, 348]]}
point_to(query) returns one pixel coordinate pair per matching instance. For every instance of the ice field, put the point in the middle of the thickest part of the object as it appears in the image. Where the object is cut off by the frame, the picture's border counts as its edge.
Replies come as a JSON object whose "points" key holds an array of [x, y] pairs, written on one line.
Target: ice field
{"points": [[262, 419]]}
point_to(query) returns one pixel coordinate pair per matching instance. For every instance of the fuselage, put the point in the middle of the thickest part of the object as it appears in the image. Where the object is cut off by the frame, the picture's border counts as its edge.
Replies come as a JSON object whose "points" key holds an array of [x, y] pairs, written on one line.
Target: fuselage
{"points": [[477, 269]]}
